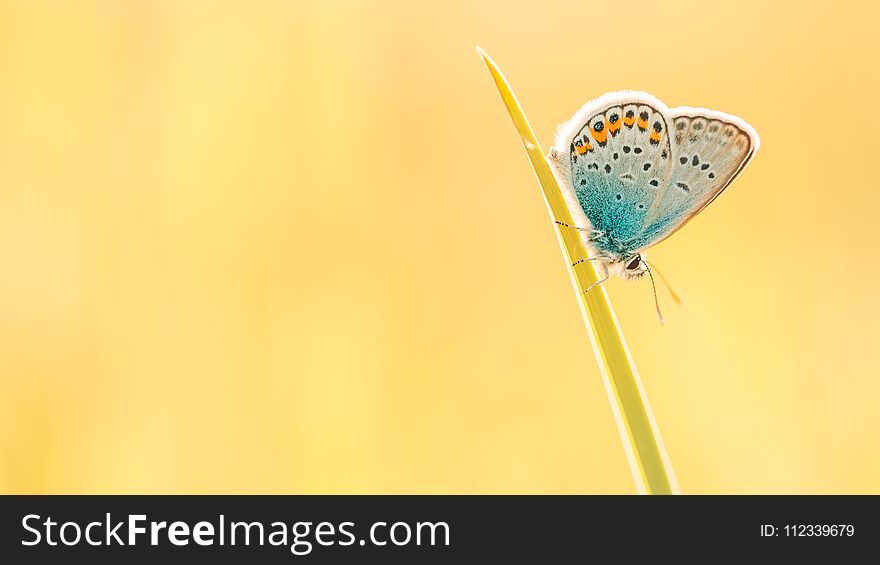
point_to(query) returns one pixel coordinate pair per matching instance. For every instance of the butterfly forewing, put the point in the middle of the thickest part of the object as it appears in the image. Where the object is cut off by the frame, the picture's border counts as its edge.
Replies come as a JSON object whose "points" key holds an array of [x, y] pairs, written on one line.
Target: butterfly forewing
{"points": [[708, 150]]}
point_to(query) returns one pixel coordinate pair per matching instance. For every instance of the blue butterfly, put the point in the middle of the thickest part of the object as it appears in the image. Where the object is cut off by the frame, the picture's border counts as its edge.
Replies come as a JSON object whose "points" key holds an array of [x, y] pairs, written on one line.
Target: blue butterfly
{"points": [[634, 171]]}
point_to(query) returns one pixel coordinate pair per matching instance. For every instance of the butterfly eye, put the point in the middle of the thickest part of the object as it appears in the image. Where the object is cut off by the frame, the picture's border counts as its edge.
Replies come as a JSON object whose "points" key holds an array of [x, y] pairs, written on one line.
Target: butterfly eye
{"points": [[634, 264]]}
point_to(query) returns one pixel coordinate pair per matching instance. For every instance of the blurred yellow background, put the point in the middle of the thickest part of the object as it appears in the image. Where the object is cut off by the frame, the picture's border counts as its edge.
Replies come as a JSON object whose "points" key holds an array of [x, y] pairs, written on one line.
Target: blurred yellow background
{"points": [[296, 247]]}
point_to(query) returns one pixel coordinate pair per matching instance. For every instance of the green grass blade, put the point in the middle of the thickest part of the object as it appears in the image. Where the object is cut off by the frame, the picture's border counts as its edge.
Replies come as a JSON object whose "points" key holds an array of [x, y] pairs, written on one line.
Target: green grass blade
{"points": [[638, 430]]}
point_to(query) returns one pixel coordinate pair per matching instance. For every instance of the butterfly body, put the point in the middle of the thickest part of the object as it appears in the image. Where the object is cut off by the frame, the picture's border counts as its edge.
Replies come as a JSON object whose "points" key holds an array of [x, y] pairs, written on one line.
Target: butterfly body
{"points": [[634, 171]]}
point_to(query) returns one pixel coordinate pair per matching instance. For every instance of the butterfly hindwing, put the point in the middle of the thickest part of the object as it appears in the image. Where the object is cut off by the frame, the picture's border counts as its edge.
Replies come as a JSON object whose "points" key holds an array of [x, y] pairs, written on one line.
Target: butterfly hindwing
{"points": [[617, 154]]}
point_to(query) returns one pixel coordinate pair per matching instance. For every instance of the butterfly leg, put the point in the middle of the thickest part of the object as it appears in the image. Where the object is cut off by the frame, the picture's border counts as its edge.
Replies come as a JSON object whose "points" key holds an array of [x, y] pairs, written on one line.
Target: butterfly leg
{"points": [[600, 281], [579, 261], [593, 233]]}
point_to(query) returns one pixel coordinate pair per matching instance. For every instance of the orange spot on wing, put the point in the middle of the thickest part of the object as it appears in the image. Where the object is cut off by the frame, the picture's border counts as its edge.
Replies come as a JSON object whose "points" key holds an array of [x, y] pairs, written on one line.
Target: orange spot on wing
{"points": [[629, 121], [612, 127], [600, 136], [643, 124], [655, 137], [581, 149]]}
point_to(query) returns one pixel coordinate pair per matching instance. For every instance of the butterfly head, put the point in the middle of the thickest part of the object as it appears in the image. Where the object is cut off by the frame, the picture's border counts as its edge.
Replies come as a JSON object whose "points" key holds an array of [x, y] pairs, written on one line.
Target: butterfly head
{"points": [[632, 267]]}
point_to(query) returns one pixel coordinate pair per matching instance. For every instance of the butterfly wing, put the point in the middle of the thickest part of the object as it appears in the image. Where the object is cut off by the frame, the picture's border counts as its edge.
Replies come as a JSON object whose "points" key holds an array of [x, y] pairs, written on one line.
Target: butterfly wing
{"points": [[709, 149], [633, 180], [612, 159]]}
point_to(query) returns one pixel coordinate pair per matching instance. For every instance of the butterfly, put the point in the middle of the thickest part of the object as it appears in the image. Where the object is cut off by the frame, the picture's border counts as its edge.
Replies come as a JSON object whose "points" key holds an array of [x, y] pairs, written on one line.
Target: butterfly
{"points": [[634, 171]]}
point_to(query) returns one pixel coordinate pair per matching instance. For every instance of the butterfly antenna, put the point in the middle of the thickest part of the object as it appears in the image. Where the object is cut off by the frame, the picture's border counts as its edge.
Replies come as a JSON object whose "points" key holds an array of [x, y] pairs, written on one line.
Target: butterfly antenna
{"points": [[656, 301], [672, 293]]}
